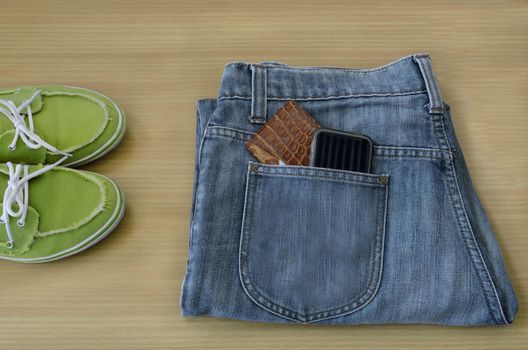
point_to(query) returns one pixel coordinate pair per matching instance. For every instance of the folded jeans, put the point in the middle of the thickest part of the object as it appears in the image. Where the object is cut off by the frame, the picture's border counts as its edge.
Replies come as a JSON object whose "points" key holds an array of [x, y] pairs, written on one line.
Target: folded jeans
{"points": [[408, 243]]}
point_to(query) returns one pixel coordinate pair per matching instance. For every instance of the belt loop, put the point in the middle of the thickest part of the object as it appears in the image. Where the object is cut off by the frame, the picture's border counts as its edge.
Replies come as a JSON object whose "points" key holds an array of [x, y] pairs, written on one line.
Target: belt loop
{"points": [[259, 98], [436, 105]]}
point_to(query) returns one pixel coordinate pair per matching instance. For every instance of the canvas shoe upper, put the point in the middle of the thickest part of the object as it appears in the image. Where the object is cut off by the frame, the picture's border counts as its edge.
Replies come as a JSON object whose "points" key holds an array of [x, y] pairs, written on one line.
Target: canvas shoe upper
{"points": [[41, 124], [49, 212]]}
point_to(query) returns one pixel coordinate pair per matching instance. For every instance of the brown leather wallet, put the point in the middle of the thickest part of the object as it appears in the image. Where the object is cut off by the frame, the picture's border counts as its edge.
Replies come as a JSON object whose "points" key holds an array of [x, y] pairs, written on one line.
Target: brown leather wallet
{"points": [[285, 138]]}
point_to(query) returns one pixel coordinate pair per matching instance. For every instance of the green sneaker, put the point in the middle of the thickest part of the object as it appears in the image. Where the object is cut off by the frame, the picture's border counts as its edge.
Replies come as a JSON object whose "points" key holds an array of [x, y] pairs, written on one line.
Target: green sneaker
{"points": [[41, 124], [51, 212]]}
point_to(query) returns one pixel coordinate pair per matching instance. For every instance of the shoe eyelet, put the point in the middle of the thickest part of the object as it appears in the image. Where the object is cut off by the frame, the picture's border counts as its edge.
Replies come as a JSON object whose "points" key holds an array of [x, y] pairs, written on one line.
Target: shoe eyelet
{"points": [[11, 148], [21, 224]]}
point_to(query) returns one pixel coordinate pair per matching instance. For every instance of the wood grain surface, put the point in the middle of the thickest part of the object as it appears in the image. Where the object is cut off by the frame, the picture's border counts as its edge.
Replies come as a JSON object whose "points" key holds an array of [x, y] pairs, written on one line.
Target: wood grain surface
{"points": [[156, 58]]}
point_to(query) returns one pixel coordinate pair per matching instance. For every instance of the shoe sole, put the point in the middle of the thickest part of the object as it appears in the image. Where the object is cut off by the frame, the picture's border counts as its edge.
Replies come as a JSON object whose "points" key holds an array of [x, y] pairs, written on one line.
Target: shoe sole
{"points": [[90, 241]]}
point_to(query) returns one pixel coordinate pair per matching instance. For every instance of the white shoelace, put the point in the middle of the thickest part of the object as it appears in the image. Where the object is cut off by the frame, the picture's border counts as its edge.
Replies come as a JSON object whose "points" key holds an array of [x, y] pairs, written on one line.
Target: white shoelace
{"points": [[18, 118], [17, 191]]}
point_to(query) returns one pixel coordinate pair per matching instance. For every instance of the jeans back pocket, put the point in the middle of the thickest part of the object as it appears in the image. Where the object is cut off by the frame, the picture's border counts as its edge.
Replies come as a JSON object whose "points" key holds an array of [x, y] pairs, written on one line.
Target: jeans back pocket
{"points": [[312, 240]]}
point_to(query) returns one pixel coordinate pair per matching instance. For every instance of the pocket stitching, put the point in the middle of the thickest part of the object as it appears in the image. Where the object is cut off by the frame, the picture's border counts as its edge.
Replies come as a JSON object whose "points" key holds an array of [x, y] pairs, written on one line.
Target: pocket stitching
{"points": [[313, 172], [322, 178], [375, 258]]}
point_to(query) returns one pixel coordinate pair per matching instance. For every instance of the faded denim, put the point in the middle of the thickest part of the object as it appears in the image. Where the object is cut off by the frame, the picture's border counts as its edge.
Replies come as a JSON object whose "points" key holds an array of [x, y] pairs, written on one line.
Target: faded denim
{"points": [[408, 243]]}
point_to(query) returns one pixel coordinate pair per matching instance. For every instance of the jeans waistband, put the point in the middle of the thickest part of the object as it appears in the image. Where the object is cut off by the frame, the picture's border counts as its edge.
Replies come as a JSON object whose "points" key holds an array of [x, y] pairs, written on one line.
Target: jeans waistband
{"points": [[265, 81]]}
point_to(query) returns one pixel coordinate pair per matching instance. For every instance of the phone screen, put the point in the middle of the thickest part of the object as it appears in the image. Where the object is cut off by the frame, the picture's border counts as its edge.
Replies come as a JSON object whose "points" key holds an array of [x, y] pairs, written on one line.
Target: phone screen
{"points": [[336, 149]]}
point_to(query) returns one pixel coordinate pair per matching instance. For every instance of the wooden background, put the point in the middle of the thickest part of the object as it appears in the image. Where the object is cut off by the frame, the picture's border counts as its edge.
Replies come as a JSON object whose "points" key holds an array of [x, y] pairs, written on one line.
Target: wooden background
{"points": [[156, 58]]}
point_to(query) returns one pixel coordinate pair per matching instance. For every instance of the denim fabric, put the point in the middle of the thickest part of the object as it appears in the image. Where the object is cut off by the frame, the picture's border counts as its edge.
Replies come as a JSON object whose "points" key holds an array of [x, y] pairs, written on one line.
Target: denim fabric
{"points": [[408, 243]]}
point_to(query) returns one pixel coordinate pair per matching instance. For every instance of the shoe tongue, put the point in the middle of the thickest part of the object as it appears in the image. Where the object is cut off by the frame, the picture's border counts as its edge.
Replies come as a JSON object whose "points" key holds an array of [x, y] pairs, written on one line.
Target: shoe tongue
{"points": [[22, 153], [18, 96]]}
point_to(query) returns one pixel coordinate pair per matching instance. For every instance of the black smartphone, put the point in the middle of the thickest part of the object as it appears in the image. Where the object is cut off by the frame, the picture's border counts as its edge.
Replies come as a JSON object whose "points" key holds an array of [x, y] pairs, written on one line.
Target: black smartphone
{"points": [[336, 149]]}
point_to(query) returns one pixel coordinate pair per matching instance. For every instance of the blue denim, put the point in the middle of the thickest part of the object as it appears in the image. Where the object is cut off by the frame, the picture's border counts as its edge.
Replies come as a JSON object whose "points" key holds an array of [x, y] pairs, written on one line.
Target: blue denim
{"points": [[407, 243]]}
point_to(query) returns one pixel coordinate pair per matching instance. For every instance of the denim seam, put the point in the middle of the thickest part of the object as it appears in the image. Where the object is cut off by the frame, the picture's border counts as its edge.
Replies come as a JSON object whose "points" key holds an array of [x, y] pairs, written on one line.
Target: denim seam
{"points": [[230, 132], [321, 178], [417, 152], [465, 228], [329, 97], [197, 174], [439, 131], [408, 156], [447, 182], [199, 165], [195, 204], [202, 141], [470, 230], [265, 303], [308, 171], [379, 151], [321, 68], [358, 71], [412, 148], [195, 195]]}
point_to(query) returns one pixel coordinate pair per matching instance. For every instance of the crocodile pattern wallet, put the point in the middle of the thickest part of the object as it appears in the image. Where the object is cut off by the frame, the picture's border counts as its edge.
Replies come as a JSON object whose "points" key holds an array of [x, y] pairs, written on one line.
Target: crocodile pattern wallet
{"points": [[285, 138]]}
